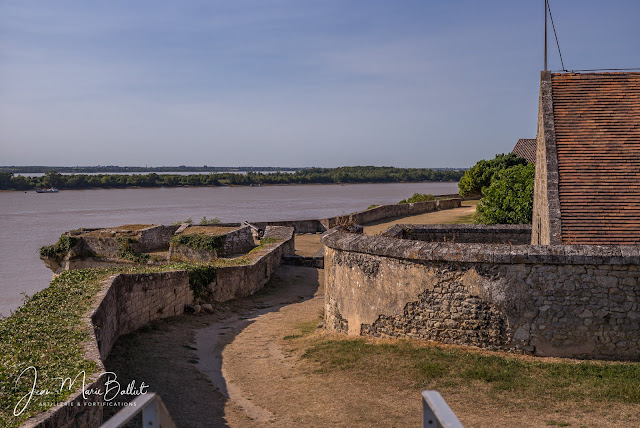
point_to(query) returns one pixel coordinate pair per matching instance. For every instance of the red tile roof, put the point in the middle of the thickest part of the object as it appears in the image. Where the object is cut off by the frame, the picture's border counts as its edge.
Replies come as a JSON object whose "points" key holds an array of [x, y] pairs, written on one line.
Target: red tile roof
{"points": [[597, 123], [526, 148]]}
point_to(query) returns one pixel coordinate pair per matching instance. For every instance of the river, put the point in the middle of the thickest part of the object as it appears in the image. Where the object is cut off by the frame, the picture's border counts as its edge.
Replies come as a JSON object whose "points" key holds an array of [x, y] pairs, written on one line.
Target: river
{"points": [[29, 220]]}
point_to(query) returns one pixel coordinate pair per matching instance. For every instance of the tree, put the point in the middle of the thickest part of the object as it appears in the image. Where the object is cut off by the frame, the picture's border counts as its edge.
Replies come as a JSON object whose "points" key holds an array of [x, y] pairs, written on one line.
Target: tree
{"points": [[52, 179], [479, 176], [509, 197]]}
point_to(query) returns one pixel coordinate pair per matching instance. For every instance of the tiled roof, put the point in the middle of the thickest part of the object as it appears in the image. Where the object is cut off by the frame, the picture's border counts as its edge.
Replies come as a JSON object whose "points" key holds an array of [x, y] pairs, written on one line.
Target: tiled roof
{"points": [[597, 124], [526, 148]]}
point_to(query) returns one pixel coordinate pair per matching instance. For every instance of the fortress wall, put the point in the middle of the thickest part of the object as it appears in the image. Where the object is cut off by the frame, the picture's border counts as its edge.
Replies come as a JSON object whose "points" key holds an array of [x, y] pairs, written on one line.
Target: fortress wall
{"points": [[239, 281], [389, 211], [127, 302], [514, 234], [567, 301], [367, 216], [155, 238]]}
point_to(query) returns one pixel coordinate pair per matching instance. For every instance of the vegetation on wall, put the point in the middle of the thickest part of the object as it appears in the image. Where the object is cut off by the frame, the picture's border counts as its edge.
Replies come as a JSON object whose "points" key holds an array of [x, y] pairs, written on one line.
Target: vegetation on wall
{"points": [[480, 175], [199, 241], [418, 197], [200, 276], [353, 174], [125, 250], [509, 197], [58, 250]]}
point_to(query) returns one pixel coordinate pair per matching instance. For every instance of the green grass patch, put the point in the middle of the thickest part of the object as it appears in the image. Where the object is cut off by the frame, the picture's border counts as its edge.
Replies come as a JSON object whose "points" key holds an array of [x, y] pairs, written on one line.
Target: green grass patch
{"points": [[47, 333], [304, 329], [418, 197], [439, 368]]}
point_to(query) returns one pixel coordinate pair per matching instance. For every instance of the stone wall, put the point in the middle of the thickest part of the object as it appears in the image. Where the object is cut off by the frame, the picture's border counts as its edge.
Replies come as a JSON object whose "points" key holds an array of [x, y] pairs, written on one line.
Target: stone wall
{"points": [[568, 301], [462, 233], [388, 211], [104, 243], [546, 203], [127, 302], [234, 242], [239, 281], [366, 216]]}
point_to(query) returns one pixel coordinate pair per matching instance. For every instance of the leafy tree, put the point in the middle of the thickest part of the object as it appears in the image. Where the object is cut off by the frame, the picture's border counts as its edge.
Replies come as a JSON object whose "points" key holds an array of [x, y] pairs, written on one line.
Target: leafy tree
{"points": [[479, 176], [509, 197], [52, 179]]}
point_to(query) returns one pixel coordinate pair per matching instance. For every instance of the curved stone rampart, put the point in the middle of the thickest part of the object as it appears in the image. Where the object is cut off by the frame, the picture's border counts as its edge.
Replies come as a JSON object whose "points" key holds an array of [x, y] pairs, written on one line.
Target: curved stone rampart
{"points": [[570, 301], [127, 302]]}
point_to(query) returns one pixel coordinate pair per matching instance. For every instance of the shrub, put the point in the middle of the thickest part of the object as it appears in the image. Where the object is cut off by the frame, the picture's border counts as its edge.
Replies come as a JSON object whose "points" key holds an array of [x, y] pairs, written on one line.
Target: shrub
{"points": [[200, 242], [59, 249], [418, 197], [204, 221], [125, 250], [509, 197]]}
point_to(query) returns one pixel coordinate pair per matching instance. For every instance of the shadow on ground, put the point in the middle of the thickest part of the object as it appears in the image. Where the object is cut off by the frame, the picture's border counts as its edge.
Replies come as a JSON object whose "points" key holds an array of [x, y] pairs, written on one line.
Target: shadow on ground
{"points": [[190, 381]]}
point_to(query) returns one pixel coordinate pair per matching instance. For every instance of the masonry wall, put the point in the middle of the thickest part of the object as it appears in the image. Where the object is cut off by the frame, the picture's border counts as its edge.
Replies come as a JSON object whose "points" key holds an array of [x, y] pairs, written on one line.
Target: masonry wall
{"points": [[468, 233], [239, 281], [546, 203], [387, 211], [567, 301], [129, 301]]}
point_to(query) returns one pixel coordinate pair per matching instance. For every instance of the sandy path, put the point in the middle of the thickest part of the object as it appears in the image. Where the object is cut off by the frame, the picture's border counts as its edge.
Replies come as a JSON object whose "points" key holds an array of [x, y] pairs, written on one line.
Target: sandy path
{"points": [[436, 217]]}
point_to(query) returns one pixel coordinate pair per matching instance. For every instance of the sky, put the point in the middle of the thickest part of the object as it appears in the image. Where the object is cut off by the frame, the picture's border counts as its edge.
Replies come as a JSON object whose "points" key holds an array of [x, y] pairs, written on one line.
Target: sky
{"points": [[287, 82]]}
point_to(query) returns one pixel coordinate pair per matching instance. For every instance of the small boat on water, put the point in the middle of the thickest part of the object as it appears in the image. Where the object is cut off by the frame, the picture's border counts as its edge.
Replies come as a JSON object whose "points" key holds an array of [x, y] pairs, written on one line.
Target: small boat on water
{"points": [[50, 190]]}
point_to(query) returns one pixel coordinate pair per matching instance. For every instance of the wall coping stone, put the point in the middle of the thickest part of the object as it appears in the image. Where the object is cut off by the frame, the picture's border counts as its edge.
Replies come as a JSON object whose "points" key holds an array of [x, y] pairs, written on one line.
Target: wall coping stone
{"points": [[482, 253]]}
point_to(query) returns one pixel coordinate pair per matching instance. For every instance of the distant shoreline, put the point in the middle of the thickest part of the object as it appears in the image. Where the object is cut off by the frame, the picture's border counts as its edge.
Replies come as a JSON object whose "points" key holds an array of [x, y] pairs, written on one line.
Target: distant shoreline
{"points": [[342, 175], [230, 186]]}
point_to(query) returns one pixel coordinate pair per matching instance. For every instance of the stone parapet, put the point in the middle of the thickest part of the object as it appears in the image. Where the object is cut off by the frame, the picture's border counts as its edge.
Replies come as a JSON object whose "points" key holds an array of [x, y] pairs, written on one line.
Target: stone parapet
{"points": [[569, 301]]}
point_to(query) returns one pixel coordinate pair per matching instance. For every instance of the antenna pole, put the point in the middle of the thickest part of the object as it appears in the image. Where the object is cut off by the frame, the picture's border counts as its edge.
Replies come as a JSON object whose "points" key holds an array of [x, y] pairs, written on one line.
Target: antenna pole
{"points": [[545, 35]]}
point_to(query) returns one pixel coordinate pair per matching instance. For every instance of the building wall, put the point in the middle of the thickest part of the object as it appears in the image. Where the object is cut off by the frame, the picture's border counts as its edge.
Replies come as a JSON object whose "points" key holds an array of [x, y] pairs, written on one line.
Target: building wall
{"points": [[546, 224], [567, 301]]}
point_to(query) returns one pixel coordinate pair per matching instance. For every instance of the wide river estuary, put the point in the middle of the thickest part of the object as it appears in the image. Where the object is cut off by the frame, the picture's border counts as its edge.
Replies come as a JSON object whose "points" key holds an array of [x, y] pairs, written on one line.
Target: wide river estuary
{"points": [[29, 220]]}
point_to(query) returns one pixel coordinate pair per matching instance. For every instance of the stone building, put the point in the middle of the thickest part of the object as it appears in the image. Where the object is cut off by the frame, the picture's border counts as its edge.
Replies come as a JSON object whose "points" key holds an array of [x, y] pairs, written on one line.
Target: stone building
{"points": [[587, 185], [526, 148]]}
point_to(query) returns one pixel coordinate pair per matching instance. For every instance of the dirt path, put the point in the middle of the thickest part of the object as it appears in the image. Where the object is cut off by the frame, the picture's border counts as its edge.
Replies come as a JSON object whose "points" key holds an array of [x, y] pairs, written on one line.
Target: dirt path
{"points": [[464, 214]]}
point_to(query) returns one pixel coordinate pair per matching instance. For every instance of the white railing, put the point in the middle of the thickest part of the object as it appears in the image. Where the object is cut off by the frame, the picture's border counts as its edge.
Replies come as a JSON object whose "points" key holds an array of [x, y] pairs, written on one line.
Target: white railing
{"points": [[154, 413], [436, 413]]}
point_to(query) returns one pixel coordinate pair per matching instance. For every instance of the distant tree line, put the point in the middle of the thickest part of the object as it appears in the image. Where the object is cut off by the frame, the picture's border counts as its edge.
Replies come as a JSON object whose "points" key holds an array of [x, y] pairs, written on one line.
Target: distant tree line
{"points": [[356, 174], [130, 169]]}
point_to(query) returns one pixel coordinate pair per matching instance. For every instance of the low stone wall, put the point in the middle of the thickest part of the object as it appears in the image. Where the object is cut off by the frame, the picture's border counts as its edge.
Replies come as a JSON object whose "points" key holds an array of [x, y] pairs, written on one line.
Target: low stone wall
{"points": [[361, 217], [388, 211], [155, 238], [237, 241], [239, 281], [514, 234], [568, 301], [126, 303], [107, 245]]}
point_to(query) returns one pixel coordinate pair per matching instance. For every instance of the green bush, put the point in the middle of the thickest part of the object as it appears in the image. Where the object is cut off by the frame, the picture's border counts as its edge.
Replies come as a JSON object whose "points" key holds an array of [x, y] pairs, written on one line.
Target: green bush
{"points": [[200, 276], [509, 197], [59, 249], [418, 197], [125, 250], [479, 176], [200, 242], [204, 221]]}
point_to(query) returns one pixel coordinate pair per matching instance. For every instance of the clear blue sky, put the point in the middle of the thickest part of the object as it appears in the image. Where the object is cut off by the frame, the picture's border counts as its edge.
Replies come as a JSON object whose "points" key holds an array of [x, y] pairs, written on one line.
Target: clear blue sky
{"points": [[287, 82]]}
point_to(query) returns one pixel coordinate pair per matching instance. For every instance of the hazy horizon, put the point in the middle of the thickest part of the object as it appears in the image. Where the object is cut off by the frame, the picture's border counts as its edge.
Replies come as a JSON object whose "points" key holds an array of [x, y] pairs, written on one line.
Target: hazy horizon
{"points": [[279, 82]]}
